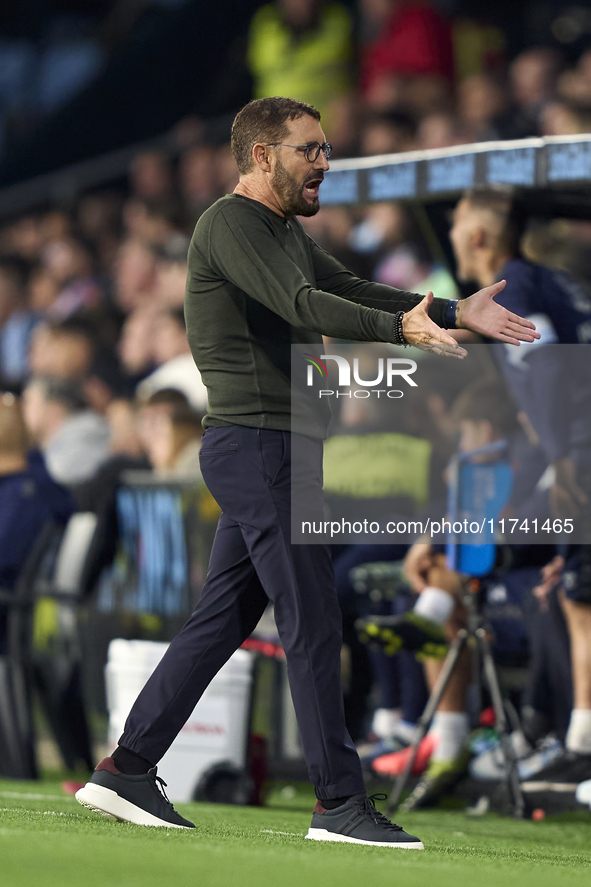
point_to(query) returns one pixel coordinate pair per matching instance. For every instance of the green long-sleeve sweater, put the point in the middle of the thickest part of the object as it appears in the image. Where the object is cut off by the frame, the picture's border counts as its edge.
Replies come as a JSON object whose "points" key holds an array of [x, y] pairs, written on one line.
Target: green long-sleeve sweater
{"points": [[257, 284]]}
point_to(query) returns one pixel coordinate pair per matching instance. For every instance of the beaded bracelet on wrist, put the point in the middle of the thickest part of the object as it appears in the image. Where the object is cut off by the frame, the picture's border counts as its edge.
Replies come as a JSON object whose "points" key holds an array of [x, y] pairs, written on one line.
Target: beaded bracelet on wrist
{"points": [[398, 335]]}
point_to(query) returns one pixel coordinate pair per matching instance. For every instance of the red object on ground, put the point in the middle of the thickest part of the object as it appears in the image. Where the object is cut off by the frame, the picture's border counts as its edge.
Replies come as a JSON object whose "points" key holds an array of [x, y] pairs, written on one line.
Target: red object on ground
{"points": [[538, 814], [395, 763], [488, 717]]}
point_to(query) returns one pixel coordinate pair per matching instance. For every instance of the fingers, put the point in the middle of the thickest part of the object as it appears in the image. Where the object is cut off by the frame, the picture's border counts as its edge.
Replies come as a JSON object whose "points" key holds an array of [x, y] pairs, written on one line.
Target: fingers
{"points": [[507, 340], [513, 335], [522, 323], [521, 333], [444, 350]]}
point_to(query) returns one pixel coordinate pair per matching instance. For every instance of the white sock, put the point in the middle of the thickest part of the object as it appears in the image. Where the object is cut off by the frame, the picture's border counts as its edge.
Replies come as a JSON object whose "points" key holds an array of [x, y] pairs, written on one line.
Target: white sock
{"points": [[385, 721], [435, 604], [578, 737], [451, 729]]}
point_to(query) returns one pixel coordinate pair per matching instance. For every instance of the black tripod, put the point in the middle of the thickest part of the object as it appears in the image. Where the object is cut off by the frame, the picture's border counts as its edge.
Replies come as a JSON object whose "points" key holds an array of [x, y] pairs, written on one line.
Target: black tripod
{"points": [[476, 636]]}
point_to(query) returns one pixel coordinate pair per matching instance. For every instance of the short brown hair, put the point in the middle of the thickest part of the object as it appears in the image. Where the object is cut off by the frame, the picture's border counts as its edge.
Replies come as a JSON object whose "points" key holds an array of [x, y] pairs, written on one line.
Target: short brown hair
{"points": [[264, 120], [502, 201]]}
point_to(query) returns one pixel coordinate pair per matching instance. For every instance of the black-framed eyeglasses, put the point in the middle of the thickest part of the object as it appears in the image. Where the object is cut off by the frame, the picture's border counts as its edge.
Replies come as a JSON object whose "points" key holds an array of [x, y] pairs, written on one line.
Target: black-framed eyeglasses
{"points": [[311, 150]]}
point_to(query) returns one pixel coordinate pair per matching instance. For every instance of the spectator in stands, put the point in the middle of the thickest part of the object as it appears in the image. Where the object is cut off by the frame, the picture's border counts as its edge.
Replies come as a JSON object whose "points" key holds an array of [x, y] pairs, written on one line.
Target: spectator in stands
{"points": [[98, 217], [70, 263], [134, 275], [124, 438], [561, 118], [150, 411], [332, 230], [135, 346], [99, 494], [440, 130], [151, 176], [73, 439], [175, 365], [43, 290], [17, 321], [409, 64], [171, 271], [304, 49], [174, 443], [387, 134], [225, 170], [196, 183], [104, 381], [24, 238], [481, 100], [29, 498], [532, 83], [62, 350]]}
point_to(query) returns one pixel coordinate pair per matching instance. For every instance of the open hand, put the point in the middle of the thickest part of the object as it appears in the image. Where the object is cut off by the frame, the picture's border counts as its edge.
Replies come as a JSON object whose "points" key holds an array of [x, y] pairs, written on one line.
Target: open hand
{"points": [[419, 330], [481, 314]]}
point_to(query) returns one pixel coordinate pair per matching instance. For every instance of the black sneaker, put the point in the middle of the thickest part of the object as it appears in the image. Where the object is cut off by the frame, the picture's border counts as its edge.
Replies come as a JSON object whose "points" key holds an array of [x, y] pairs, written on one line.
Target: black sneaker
{"points": [[137, 799], [407, 631], [560, 776], [358, 822]]}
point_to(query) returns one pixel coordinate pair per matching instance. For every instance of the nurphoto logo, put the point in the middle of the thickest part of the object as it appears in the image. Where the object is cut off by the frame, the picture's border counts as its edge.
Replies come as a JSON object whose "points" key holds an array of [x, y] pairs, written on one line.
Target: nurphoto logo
{"points": [[388, 371]]}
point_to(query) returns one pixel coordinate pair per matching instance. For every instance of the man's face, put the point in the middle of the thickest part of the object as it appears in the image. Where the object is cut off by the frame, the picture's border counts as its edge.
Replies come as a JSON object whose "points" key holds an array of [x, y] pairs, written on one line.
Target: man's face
{"points": [[295, 180], [461, 236]]}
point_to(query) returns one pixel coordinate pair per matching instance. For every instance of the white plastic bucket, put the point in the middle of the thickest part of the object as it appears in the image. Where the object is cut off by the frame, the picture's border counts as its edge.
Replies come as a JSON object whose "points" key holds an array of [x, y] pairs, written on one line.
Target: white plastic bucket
{"points": [[217, 729]]}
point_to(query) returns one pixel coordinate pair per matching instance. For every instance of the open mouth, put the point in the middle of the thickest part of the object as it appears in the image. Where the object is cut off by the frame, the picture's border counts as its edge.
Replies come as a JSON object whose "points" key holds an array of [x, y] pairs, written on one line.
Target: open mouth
{"points": [[312, 186]]}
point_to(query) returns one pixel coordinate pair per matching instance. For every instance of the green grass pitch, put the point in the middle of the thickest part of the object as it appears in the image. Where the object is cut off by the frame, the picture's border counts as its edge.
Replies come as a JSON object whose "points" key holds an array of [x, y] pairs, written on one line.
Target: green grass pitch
{"points": [[48, 840]]}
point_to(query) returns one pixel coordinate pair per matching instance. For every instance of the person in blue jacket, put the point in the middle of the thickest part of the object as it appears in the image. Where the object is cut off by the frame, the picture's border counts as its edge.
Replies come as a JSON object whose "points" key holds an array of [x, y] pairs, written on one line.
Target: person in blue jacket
{"points": [[29, 499], [551, 385]]}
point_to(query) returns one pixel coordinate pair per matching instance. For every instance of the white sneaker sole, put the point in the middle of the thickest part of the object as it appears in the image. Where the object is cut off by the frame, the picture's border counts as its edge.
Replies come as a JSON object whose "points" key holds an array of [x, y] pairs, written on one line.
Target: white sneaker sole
{"points": [[321, 834], [565, 787], [109, 804]]}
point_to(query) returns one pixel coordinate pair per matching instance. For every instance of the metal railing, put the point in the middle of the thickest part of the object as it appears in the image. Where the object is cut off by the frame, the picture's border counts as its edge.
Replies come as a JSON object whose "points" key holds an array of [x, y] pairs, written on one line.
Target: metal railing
{"points": [[423, 175]]}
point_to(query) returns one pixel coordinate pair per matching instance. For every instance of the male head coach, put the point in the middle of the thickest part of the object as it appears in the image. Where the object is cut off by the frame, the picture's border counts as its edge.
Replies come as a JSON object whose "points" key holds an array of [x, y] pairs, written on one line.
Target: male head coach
{"points": [[256, 285]]}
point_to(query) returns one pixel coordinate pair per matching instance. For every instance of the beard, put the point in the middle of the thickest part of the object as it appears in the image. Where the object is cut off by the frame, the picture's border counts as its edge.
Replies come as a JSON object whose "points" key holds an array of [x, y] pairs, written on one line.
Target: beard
{"points": [[290, 191]]}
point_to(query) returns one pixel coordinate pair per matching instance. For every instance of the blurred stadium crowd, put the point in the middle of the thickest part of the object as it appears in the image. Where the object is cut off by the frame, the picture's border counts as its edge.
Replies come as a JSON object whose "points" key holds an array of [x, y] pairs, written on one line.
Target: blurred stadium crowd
{"points": [[92, 340], [90, 294]]}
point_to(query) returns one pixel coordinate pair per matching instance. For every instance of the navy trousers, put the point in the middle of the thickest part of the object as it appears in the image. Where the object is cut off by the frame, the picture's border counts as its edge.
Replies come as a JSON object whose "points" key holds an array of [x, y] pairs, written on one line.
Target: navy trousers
{"points": [[248, 471]]}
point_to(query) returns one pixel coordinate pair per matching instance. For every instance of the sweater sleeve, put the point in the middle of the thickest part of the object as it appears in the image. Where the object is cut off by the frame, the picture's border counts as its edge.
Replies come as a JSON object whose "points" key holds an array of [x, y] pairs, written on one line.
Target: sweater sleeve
{"points": [[255, 262], [334, 277]]}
